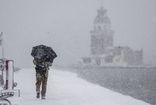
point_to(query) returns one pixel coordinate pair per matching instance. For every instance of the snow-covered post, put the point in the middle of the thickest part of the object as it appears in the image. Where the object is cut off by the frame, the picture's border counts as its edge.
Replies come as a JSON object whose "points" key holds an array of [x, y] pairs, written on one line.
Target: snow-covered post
{"points": [[1, 72], [9, 74]]}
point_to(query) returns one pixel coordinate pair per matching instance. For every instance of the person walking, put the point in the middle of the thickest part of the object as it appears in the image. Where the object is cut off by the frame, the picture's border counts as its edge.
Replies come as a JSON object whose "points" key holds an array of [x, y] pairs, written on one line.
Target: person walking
{"points": [[42, 69], [43, 58]]}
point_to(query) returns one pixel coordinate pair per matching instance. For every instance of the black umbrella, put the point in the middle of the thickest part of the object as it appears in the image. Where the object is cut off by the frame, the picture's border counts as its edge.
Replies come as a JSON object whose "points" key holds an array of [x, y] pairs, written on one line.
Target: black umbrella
{"points": [[43, 53]]}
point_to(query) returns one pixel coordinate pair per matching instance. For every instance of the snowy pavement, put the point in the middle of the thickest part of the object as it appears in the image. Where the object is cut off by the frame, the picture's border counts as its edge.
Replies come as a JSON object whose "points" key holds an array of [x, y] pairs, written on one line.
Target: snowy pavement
{"points": [[65, 88]]}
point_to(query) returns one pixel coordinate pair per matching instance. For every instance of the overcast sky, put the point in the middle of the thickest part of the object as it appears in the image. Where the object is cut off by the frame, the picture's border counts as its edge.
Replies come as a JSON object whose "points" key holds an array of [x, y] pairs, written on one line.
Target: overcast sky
{"points": [[65, 25]]}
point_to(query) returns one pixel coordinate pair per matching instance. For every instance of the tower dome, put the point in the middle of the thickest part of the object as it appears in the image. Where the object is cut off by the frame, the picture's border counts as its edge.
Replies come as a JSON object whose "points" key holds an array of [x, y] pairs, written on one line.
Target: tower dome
{"points": [[102, 17]]}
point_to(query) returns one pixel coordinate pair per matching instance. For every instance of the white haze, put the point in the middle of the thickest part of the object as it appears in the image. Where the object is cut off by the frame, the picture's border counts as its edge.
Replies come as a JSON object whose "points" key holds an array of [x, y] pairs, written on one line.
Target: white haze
{"points": [[65, 25]]}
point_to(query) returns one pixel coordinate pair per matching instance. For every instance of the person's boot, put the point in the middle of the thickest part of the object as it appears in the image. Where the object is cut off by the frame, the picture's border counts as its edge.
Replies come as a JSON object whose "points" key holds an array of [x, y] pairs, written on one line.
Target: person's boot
{"points": [[38, 94], [43, 97]]}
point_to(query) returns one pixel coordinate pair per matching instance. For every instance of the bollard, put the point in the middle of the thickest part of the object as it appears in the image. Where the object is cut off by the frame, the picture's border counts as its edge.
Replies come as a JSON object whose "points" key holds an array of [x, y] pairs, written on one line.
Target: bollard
{"points": [[9, 74]]}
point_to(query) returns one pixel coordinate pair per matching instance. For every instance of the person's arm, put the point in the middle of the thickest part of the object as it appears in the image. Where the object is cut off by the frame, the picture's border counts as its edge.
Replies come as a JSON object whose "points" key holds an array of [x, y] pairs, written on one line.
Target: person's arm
{"points": [[34, 61], [49, 63]]}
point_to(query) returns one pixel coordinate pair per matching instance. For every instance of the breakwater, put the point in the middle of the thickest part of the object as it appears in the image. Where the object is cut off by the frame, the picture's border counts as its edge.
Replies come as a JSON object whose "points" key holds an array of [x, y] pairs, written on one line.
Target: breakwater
{"points": [[138, 82]]}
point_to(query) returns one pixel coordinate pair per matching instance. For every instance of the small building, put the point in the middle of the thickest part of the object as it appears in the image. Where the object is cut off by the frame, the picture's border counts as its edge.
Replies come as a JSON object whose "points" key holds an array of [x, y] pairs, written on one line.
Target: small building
{"points": [[103, 52]]}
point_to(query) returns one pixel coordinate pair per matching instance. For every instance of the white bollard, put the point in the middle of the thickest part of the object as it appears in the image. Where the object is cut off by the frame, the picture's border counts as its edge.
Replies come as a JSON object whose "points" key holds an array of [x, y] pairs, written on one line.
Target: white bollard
{"points": [[10, 75]]}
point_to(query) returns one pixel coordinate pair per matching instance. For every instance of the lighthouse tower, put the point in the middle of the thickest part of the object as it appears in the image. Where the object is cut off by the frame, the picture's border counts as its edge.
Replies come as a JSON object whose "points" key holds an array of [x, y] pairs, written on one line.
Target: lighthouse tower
{"points": [[101, 35], [103, 51]]}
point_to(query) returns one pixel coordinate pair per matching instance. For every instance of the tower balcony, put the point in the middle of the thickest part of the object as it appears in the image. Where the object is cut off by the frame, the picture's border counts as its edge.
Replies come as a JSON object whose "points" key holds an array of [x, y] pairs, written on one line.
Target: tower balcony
{"points": [[102, 32]]}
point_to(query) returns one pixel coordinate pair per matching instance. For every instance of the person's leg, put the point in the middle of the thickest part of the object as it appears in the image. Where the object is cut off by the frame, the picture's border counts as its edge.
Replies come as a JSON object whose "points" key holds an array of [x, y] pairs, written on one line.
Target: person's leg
{"points": [[44, 85], [38, 84]]}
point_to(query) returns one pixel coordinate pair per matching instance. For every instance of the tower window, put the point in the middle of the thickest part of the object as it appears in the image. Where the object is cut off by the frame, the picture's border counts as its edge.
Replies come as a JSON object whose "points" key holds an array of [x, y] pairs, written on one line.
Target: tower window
{"points": [[87, 60], [99, 27], [109, 59], [105, 27], [98, 61], [94, 27]]}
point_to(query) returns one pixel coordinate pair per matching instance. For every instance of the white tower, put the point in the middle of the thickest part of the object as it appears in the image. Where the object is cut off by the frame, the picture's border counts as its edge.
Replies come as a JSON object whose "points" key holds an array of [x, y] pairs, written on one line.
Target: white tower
{"points": [[101, 35]]}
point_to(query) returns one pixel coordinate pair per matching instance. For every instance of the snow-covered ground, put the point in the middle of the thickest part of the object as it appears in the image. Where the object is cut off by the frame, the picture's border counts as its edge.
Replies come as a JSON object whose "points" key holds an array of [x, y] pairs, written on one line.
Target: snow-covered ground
{"points": [[65, 88]]}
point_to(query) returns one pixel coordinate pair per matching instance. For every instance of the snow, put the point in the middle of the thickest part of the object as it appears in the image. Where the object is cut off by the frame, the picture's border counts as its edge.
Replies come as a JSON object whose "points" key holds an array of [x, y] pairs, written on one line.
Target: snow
{"points": [[65, 88]]}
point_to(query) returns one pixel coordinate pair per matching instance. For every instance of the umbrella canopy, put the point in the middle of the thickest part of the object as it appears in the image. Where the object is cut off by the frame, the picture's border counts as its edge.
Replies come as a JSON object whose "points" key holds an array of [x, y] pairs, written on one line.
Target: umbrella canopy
{"points": [[43, 53]]}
